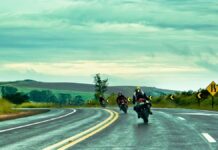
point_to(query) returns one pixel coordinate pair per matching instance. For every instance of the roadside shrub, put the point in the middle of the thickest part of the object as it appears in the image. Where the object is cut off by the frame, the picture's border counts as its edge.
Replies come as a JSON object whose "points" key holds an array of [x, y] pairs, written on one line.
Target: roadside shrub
{"points": [[112, 99], [6, 107], [17, 98], [92, 103]]}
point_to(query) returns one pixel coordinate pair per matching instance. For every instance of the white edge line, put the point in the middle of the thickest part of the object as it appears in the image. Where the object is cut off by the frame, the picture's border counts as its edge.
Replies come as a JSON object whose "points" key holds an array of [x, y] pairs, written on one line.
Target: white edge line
{"points": [[181, 118], [209, 138], [36, 123]]}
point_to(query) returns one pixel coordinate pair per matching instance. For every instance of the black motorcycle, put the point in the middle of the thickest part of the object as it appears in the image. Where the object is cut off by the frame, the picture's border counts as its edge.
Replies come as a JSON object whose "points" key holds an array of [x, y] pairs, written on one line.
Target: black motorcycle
{"points": [[103, 103], [123, 106], [142, 109]]}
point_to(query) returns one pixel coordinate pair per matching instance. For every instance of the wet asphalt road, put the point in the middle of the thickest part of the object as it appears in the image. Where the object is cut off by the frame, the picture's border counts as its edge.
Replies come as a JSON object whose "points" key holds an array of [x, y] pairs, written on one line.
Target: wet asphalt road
{"points": [[168, 129], [42, 135]]}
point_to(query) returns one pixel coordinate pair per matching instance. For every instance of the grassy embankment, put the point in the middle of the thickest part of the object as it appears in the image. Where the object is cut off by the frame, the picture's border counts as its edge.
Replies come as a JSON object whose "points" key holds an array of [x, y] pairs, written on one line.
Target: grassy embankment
{"points": [[36, 105], [8, 111], [180, 101], [6, 107], [185, 101]]}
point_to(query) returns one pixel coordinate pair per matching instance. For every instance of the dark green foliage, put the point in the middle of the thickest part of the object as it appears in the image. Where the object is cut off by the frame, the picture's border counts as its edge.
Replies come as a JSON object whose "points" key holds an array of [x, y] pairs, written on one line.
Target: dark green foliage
{"points": [[53, 99], [78, 101], [159, 99], [189, 93], [46, 96], [100, 86], [8, 90], [64, 99], [35, 95], [17, 98], [204, 94], [186, 99], [11, 94], [42, 96]]}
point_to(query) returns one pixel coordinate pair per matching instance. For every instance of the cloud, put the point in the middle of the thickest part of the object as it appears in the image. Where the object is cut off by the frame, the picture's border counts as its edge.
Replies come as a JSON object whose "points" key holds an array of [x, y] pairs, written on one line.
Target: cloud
{"points": [[210, 66], [123, 39], [124, 70]]}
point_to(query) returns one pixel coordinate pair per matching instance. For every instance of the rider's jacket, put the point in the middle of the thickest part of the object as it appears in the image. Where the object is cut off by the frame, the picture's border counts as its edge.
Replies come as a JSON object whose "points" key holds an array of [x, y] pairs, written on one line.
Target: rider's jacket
{"points": [[120, 98], [138, 95]]}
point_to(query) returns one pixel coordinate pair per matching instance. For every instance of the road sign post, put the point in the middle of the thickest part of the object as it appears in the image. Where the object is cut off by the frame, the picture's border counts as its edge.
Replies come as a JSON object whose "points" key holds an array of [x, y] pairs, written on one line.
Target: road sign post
{"points": [[212, 101], [212, 89], [199, 98]]}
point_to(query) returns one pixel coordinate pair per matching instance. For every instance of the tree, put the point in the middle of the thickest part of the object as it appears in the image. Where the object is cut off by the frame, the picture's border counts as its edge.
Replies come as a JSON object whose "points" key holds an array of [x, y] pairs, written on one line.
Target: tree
{"points": [[47, 96], [204, 94], [78, 100], [100, 86], [64, 98], [17, 98], [10, 93], [35, 95], [43, 96], [8, 90], [53, 99]]}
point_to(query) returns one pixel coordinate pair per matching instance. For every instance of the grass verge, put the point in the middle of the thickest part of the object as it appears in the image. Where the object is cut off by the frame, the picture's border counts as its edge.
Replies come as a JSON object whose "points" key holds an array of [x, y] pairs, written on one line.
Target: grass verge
{"points": [[6, 107], [8, 112], [36, 105]]}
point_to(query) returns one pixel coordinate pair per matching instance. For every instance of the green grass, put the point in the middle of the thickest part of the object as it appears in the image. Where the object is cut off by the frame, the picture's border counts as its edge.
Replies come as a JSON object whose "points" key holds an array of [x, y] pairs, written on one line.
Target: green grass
{"points": [[6, 107], [187, 102], [36, 105]]}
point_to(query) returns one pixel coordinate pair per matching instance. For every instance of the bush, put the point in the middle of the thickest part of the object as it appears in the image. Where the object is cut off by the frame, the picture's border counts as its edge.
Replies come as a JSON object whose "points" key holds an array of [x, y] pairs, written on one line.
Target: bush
{"points": [[112, 99], [17, 98], [6, 107], [92, 103], [78, 101], [186, 100]]}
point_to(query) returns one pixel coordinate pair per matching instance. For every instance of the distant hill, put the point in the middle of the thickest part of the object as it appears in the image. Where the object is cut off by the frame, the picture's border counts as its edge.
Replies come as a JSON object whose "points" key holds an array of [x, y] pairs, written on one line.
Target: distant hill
{"points": [[79, 87]]}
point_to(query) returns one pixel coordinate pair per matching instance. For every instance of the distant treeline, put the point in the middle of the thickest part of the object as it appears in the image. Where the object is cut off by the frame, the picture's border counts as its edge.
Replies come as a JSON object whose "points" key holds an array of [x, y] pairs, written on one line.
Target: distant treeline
{"points": [[43, 96]]}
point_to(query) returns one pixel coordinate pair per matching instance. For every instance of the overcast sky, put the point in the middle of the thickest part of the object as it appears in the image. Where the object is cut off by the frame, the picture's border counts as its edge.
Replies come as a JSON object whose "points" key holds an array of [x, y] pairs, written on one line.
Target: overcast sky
{"points": [[169, 44]]}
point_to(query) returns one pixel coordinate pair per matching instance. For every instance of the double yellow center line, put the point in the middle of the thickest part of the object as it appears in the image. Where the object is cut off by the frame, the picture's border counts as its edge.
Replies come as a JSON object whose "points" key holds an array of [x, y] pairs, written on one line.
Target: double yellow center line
{"points": [[67, 143]]}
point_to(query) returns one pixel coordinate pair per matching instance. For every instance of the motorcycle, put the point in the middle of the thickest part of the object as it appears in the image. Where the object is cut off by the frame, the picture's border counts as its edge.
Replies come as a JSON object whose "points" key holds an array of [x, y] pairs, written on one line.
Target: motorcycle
{"points": [[104, 103], [142, 109], [123, 106]]}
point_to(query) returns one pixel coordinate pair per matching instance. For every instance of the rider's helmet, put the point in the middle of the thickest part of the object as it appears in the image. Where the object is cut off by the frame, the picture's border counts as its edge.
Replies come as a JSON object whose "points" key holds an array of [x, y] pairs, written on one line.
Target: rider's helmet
{"points": [[138, 89]]}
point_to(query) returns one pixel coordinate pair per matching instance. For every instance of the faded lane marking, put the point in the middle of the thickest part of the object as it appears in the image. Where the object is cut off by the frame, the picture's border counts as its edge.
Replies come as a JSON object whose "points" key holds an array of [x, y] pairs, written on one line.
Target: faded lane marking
{"points": [[36, 123], [181, 118], [209, 138], [198, 114]]}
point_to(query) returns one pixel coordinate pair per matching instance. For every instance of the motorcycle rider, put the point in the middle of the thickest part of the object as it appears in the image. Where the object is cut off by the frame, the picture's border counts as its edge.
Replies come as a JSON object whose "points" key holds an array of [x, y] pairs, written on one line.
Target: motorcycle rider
{"points": [[121, 97], [101, 100], [138, 94]]}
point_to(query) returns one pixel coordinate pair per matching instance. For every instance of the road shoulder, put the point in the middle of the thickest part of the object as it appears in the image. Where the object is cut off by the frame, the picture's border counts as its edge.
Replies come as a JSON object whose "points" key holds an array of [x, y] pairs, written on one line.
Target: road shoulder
{"points": [[21, 114]]}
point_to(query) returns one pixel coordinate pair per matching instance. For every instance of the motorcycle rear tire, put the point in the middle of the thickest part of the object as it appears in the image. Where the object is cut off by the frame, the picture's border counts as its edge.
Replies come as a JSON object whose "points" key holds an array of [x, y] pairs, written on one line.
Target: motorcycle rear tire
{"points": [[145, 116], [124, 109]]}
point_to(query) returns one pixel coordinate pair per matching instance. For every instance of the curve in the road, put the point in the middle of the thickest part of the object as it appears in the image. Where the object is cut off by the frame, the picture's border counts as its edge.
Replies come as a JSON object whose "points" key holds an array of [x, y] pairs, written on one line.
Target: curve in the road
{"points": [[69, 142]]}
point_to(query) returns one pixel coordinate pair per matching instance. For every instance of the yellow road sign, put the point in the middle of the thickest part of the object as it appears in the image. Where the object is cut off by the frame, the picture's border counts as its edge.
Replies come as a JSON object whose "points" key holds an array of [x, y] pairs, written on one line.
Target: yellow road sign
{"points": [[212, 88]]}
